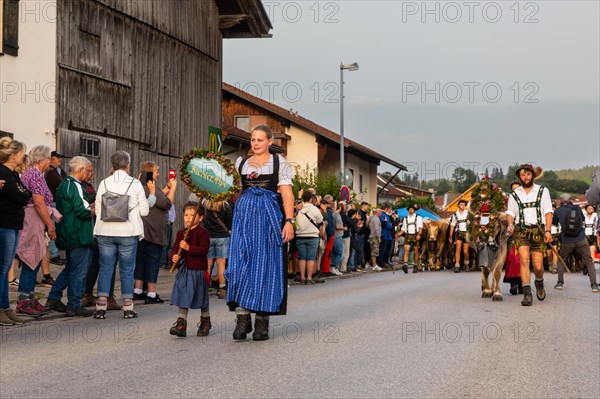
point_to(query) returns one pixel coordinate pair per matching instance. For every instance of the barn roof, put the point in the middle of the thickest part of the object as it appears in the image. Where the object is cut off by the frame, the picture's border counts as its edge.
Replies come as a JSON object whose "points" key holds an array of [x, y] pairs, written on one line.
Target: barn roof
{"points": [[453, 206], [243, 19]]}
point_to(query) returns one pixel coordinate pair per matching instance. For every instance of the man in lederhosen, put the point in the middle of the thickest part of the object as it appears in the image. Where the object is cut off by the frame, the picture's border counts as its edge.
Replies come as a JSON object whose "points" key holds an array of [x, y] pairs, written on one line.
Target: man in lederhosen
{"points": [[529, 217], [459, 225]]}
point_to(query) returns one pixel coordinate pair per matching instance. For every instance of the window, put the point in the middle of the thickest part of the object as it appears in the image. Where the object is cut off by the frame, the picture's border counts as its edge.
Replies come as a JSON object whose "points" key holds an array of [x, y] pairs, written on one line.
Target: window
{"points": [[90, 147], [360, 183], [351, 185], [243, 123], [9, 23]]}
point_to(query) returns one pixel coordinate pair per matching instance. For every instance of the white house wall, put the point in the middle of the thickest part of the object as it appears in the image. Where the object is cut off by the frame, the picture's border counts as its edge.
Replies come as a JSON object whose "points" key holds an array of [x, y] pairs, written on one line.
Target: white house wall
{"points": [[302, 149], [28, 81]]}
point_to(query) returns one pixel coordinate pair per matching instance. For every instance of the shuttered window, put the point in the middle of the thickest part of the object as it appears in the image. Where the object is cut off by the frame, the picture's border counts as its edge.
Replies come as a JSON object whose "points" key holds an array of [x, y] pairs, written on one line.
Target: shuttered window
{"points": [[10, 27]]}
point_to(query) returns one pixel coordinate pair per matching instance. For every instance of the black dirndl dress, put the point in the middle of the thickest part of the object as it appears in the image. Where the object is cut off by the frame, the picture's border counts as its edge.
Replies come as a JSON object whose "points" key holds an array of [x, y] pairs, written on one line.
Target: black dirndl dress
{"points": [[257, 270]]}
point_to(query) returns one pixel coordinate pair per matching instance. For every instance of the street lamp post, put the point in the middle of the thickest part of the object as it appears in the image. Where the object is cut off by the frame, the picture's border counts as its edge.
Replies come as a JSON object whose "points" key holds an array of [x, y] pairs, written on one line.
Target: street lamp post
{"points": [[350, 67]]}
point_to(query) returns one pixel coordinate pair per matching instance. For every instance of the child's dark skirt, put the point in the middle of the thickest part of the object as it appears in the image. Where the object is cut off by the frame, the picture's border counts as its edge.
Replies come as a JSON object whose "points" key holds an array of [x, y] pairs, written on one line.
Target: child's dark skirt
{"points": [[190, 289]]}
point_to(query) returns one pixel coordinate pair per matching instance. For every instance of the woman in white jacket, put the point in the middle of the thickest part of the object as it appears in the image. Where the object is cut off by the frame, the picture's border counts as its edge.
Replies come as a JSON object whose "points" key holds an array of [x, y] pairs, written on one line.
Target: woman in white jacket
{"points": [[117, 241], [308, 222]]}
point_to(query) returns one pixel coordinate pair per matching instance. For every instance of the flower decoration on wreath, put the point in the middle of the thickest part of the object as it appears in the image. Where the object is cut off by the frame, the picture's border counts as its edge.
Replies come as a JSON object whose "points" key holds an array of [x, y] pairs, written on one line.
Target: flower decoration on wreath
{"points": [[487, 200], [210, 176]]}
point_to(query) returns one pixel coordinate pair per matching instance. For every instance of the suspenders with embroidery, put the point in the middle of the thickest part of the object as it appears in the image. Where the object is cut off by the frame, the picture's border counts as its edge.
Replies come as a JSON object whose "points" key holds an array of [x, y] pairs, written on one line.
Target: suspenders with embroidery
{"points": [[459, 221], [414, 223], [590, 225], [535, 205]]}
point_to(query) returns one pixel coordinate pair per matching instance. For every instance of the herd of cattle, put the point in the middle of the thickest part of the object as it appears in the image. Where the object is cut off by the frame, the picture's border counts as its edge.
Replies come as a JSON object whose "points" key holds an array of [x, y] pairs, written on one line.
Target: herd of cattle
{"points": [[437, 253]]}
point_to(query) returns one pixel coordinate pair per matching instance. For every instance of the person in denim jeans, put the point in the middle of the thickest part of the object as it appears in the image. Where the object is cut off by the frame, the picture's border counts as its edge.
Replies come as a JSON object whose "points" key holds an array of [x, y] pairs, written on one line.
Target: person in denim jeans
{"points": [[218, 223], [75, 236], [13, 198], [38, 223], [118, 240], [150, 248], [338, 243], [308, 220]]}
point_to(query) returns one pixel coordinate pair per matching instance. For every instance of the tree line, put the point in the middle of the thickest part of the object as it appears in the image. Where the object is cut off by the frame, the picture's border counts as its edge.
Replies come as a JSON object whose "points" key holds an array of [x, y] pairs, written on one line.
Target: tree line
{"points": [[463, 178]]}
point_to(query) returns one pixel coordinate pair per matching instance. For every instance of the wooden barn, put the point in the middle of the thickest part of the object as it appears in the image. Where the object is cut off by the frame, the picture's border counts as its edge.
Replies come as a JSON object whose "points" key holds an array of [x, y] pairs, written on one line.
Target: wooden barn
{"points": [[137, 75], [142, 76]]}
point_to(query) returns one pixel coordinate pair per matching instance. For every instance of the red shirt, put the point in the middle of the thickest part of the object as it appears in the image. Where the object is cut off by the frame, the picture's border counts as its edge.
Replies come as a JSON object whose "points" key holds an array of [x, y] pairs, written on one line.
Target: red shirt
{"points": [[199, 242]]}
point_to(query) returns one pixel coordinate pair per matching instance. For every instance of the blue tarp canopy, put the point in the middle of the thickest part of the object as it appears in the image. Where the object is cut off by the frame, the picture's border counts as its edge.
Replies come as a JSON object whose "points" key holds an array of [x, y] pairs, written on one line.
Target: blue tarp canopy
{"points": [[403, 212]]}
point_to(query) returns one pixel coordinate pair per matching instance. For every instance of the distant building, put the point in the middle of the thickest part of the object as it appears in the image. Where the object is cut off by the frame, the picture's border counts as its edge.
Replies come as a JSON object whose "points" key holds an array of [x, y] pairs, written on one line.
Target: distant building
{"points": [[396, 192], [303, 142]]}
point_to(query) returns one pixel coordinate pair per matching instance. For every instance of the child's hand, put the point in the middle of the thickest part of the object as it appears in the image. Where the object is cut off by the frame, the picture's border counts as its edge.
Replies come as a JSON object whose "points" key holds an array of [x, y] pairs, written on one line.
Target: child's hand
{"points": [[176, 258], [184, 245]]}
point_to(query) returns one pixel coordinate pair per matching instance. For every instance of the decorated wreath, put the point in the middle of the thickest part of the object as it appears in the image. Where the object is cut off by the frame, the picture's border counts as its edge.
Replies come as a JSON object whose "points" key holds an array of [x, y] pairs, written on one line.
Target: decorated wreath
{"points": [[487, 200], [210, 176]]}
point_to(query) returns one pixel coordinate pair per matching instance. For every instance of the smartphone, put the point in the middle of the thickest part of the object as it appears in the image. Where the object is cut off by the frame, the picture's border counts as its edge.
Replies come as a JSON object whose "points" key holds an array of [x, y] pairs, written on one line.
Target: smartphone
{"points": [[149, 176], [172, 174]]}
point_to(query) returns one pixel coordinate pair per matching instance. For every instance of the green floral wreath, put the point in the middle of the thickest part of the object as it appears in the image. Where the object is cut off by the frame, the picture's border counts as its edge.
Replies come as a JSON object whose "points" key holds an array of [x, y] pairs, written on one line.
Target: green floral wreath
{"points": [[224, 162], [487, 198]]}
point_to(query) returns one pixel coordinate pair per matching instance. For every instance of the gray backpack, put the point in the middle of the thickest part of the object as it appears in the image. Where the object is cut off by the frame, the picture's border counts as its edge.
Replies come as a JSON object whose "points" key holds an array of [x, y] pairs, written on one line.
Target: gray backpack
{"points": [[115, 207]]}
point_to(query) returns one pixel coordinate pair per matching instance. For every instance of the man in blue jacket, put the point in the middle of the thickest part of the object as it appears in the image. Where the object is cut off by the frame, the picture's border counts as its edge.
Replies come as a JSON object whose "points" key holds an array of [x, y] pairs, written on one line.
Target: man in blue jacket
{"points": [[74, 234], [387, 236]]}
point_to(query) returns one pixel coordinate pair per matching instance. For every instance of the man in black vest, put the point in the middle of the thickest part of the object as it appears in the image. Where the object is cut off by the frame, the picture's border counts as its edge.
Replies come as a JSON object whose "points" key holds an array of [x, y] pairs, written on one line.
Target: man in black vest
{"points": [[54, 177], [573, 243]]}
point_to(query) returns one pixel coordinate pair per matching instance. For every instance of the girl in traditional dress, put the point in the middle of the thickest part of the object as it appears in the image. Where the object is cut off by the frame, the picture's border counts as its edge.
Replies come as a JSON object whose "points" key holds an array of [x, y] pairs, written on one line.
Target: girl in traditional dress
{"points": [[190, 290], [262, 225]]}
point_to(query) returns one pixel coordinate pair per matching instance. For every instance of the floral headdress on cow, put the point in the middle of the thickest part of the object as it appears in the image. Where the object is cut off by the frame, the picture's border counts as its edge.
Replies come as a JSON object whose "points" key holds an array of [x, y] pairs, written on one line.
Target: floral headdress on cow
{"points": [[487, 199]]}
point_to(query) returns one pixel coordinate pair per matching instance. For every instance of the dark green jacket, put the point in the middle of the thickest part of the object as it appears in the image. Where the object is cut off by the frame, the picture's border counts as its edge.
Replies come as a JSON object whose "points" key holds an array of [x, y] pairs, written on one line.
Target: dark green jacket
{"points": [[75, 229]]}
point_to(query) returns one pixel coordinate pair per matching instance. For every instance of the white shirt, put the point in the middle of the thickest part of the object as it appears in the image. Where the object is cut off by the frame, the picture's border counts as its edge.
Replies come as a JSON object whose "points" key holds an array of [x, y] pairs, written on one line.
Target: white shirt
{"points": [[590, 223], [411, 228], [305, 227], [530, 214], [138, 205], [462, 216], [286, 173]]}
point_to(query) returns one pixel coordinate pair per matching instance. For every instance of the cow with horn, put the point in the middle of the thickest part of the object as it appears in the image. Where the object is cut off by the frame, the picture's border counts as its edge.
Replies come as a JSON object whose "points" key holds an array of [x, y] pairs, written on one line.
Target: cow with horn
{"points": [[489, 235]]}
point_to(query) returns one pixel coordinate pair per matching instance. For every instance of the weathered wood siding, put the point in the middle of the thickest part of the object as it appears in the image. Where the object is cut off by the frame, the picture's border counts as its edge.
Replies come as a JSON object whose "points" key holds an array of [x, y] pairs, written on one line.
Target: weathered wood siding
{"points": [[233, 107], [147, 71], [142, 76], [70, 140]]}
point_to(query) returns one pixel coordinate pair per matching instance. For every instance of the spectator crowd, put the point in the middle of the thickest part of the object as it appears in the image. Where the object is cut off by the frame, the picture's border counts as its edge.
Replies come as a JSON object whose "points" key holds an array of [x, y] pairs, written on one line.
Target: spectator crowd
{"points": [[126, 224]]}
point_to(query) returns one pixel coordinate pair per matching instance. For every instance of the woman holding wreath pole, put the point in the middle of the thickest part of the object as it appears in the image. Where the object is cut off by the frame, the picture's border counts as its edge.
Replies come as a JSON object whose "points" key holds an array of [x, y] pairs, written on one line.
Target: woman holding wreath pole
{"points": [[262, 225]]}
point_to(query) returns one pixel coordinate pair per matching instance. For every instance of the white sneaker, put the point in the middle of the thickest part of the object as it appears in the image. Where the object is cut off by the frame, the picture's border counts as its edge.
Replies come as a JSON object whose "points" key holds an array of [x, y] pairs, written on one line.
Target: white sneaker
{"points": [[377, 268], [334, 270]]}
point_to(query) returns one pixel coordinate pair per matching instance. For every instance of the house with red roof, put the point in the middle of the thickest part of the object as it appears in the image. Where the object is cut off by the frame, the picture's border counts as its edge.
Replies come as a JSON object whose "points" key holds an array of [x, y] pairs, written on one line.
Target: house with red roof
{"points": [[303, 142]]}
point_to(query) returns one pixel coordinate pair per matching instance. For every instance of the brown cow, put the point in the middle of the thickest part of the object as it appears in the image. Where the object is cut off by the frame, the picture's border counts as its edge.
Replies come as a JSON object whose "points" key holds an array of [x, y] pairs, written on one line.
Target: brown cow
{"points": [[496, 268], [437, 234]]}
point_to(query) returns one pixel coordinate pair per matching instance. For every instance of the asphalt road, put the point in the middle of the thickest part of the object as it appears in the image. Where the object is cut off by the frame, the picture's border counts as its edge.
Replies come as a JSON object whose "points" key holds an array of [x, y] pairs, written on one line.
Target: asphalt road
{"points": [[425, 335]]}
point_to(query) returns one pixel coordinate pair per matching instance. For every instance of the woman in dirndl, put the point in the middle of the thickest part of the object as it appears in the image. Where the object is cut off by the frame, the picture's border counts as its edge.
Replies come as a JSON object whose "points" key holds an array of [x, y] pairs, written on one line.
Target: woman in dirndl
{"points": [[262, 227]]}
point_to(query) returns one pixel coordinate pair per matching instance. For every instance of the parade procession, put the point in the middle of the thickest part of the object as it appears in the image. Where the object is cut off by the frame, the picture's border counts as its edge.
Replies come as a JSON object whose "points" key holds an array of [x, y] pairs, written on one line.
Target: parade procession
{"points": [[427, 226]]}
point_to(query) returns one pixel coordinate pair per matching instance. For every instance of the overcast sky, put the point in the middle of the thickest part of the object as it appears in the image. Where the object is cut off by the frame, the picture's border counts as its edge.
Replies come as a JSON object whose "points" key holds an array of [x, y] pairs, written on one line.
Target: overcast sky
{"points": [[473, 84]]}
